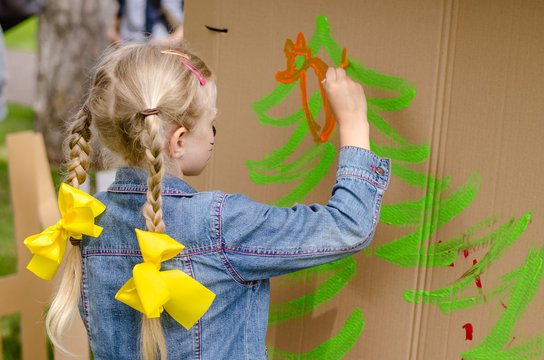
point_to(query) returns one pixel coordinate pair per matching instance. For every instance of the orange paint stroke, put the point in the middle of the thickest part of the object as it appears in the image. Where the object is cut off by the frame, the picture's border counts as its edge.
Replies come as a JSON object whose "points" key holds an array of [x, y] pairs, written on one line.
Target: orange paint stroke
{"points": [[292, 74]]}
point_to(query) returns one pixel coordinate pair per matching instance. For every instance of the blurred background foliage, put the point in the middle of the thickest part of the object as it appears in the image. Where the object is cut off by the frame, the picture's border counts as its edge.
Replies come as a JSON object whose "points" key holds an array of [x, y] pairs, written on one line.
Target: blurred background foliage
{"points": [[24, 36]]}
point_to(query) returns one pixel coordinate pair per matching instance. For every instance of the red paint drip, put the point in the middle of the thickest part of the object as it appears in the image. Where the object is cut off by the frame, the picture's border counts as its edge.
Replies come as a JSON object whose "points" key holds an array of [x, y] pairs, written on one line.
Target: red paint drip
{"points": [[465, 252], [511, 341], [453, 263], [477, 279], [469, 330], [504, 306]]}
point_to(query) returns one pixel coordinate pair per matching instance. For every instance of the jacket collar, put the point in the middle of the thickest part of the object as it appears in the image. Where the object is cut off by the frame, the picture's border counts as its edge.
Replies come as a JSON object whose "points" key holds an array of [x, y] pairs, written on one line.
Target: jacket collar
{"points": [[134, 180]]}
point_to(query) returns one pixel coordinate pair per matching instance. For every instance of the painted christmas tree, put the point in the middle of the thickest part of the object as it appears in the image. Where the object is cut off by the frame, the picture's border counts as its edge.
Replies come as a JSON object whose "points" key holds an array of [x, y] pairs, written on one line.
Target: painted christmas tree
{"points": [[426, 215]]}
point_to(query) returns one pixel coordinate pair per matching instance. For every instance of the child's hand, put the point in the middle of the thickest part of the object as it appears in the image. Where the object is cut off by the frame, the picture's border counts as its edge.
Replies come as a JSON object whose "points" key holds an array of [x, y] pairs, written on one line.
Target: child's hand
{"points": [[348, 104]]}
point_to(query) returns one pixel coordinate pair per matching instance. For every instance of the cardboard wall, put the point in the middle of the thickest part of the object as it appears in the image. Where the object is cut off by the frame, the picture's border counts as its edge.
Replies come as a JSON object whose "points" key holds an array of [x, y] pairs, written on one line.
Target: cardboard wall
{"points": [[477, 68], [34, 208]]}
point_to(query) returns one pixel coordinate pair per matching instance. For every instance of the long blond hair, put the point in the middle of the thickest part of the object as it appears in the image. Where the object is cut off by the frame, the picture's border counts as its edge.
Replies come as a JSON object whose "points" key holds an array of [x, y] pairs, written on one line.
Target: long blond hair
{"points": [[126, 82]]}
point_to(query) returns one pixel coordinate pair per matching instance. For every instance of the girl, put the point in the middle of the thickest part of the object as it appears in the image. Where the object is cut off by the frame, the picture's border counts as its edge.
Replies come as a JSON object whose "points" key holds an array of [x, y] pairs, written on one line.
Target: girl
{"points": [[154, 108]]}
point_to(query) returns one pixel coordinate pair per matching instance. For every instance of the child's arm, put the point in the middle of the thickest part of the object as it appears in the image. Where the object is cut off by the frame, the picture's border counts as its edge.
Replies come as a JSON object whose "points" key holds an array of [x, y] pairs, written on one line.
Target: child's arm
{"points": [[348, 104], [259, 241]]}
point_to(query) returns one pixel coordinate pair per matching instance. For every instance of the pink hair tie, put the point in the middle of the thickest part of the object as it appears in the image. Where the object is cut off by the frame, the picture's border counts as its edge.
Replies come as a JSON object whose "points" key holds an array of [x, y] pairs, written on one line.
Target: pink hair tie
{"points": [[190, 66]]}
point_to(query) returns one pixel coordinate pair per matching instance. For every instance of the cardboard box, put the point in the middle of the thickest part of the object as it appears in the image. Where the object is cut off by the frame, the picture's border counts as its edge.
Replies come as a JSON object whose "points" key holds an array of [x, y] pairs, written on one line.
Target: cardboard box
{"points": [[454, 90]]}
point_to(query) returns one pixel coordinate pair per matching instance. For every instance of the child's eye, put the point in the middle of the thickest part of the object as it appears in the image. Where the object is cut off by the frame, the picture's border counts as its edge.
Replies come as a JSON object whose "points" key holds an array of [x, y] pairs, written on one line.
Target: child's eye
{"points": [[213, 129]]}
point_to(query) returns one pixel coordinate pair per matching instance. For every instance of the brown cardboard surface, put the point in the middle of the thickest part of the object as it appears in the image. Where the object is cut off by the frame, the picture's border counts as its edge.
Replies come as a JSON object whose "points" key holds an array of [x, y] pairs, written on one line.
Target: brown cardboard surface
{"points": [[35, 207], [25, 299], [479, 70]]}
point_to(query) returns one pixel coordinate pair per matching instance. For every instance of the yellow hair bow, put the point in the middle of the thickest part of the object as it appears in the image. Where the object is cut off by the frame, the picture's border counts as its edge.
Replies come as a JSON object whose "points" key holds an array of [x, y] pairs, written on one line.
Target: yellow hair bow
{"points": [[78, 210], [151, 291]]}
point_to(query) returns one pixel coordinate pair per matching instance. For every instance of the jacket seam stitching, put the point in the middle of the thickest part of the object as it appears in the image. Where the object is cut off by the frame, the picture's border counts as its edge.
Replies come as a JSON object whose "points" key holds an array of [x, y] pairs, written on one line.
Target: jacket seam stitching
{"points": [[287, 254], [198, 349], [232, 271], [138, 253], [135, 191], [199, 343], [246, 327], [361, 177], [378, 199], [84, 300]]}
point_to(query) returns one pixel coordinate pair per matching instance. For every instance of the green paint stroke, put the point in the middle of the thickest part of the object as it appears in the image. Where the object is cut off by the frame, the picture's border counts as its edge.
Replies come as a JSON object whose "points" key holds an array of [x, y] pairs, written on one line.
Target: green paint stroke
{"points": [[275, 98], [409, 250], [310, 168], [319, 271], [431, 211], [343, 272], [272, 169], [333, 349], [313, 178], [260, 168], [419, 179], [529, 350], [447, 299], [287, 173], [523, 292], [464, 240], [410, 212], [404, 151]]}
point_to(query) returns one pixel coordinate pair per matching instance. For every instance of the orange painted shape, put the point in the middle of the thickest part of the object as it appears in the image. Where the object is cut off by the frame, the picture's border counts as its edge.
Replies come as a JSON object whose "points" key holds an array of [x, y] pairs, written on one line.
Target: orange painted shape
{"points": [[292, 73]]}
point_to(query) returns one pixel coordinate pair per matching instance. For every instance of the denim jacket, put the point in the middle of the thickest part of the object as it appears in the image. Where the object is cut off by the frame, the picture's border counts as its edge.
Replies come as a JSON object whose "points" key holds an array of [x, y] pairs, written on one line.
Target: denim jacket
{"points": [[233, 245]]}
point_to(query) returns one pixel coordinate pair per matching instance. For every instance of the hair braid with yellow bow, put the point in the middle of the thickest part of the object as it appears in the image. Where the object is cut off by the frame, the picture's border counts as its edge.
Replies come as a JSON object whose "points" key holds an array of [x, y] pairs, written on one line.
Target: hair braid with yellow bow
{"points": [[152, 337], [64, 304]]}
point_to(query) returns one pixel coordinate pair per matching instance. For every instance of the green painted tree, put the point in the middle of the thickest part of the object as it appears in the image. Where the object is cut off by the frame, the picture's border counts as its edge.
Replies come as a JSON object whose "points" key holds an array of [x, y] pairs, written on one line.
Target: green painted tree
{"points": [[426, 215]]}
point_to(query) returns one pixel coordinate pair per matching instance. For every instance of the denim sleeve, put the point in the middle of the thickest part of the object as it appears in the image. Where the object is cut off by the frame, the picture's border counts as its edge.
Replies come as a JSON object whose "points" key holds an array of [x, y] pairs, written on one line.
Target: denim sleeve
{"points": [[261, 241]]}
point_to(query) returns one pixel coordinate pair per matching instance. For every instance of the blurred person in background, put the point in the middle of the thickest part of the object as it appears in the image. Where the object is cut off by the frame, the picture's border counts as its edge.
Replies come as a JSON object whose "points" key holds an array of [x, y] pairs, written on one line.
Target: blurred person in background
{"points": [[12, 12], [158, 21]]}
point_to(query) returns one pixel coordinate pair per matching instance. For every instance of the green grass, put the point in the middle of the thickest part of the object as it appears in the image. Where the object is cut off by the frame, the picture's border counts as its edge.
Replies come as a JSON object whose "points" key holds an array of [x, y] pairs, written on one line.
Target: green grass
{"points": [[19, 118], [11, 336], [23, 36]]}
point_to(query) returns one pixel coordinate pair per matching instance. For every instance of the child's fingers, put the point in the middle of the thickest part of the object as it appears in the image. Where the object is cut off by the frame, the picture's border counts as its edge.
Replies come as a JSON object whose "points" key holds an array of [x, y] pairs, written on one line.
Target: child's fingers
{"points": [[340, 74], [330, 75]]}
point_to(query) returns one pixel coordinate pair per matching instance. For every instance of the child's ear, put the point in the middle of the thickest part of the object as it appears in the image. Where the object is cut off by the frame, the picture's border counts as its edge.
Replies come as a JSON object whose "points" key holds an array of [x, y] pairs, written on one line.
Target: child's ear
{"points": [[175, 145]]}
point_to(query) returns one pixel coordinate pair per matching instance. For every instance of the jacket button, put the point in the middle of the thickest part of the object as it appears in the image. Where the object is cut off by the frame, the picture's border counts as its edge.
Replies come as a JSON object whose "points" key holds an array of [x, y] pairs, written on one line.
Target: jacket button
{"points": [[380, 171]]}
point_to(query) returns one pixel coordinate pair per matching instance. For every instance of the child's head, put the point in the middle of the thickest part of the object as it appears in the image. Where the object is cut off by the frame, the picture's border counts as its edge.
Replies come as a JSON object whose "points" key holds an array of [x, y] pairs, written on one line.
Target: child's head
{"points": [[137, 78]]}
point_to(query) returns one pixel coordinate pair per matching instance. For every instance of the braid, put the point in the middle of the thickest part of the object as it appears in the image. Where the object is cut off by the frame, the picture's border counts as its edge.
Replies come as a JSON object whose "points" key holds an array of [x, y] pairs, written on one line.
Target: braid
{"points": [[79, 148], [152, 209], [152, 337], [64, 305]]}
